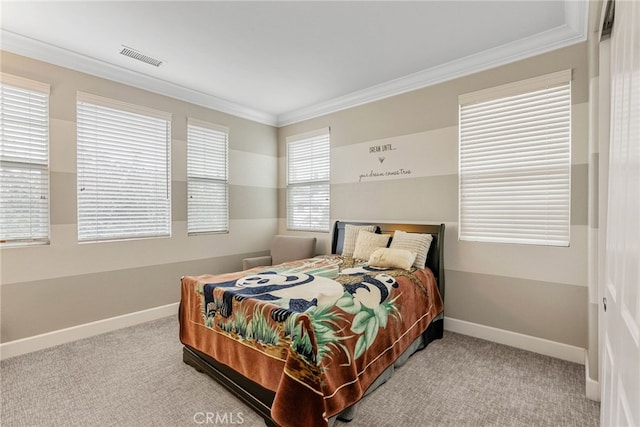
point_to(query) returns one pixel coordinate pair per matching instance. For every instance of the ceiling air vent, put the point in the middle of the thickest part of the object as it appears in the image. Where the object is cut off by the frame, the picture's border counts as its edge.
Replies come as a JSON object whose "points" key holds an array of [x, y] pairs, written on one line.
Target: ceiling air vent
{"points": [[132, 53]]}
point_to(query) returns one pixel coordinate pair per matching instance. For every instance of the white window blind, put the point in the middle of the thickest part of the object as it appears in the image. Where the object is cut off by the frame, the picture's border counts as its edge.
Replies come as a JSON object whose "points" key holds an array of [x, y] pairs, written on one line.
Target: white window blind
{"points": [[308, 190], [24, 160], [207, 177], [515, 162], [124, 177]]}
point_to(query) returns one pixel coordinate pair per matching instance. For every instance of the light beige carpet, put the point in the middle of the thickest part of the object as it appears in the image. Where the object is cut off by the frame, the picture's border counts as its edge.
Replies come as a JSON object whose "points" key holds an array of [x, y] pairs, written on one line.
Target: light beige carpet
{"points": [[136, 377]]}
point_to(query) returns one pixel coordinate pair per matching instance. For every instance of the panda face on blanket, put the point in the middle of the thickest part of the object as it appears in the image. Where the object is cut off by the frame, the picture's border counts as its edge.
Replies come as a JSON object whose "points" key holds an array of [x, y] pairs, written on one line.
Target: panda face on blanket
{"points": [[298, 292], [372, 291], [271, 281], [295, 291]]}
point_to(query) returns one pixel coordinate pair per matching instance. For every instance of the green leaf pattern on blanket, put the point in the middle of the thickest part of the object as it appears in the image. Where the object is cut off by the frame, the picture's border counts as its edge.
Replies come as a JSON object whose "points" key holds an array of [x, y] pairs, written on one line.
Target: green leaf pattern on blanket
{"points": [[326, 332], [327, 336], [367, 321]]}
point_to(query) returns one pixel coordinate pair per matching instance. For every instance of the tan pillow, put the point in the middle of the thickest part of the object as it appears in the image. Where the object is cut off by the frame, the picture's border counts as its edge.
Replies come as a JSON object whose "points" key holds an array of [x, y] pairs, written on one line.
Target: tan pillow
{"points": [[392, 258], [368, 242], [351, 235], [414, 242]]}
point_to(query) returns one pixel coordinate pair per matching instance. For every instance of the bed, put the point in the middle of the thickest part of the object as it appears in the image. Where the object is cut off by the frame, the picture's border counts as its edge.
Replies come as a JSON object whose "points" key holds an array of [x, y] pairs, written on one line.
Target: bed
{"points": [[302, 342]]}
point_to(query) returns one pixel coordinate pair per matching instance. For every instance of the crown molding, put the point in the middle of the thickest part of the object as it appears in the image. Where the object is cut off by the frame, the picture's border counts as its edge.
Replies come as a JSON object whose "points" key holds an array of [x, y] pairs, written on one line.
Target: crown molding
{"points": [[577, 15], [52, 54], [573, 32]]}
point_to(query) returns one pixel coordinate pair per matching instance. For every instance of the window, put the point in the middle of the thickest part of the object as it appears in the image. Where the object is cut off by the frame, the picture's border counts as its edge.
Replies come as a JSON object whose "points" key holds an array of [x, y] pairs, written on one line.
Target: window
{"points": [[24, 160], [207, 177], [124, 177], [515, 162], [308, 181]]}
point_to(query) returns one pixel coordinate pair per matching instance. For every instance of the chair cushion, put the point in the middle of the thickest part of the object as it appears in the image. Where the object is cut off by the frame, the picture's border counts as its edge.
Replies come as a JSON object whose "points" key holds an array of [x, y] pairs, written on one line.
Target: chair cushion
{"points": [[290, 248], [257, 261]]}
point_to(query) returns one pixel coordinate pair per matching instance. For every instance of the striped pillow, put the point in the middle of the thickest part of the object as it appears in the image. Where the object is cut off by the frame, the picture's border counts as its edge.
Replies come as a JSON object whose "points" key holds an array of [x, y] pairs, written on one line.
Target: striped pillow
{"points": [[368, 242], [414, 242], [351, 236]]}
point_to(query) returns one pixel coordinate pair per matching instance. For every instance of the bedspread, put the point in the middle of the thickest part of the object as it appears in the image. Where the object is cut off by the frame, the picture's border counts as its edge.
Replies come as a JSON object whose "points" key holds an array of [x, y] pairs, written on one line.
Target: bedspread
{"points": [[317, 332]]}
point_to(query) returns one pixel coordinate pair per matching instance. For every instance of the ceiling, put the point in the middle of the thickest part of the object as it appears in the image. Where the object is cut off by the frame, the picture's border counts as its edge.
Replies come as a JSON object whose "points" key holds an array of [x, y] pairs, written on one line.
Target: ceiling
{"points": [[282, 62]]}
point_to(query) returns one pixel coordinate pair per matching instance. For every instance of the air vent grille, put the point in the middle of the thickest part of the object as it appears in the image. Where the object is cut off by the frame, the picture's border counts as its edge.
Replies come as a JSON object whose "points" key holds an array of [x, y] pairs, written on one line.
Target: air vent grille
{"points": [[132, 53]]}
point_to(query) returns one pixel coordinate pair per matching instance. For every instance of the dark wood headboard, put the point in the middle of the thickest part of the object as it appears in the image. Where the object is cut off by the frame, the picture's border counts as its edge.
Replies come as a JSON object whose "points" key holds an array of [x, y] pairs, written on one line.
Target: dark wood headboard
{"points": [[435, 257]]}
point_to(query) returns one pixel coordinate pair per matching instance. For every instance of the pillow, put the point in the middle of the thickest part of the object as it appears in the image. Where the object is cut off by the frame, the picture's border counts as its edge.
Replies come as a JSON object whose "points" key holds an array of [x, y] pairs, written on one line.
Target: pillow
{"points": [[368, 242], [392, 258], [414, 242], [351, 235]]}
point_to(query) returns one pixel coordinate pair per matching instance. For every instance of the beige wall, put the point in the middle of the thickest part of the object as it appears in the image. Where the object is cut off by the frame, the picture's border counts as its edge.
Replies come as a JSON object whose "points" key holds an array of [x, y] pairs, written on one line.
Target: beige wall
{"points": [[533, 290], [64, 284]]}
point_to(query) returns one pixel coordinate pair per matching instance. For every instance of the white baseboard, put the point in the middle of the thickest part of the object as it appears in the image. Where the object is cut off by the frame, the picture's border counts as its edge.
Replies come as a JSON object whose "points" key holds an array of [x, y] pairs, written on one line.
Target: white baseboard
{"points": [[501, 336], [592, 387], [62, 336], [514, 339]]}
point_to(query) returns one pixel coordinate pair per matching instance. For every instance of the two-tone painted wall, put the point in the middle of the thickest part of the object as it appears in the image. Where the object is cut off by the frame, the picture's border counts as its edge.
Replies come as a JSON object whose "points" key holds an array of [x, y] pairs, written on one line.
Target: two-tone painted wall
{"points": [[525, 291], [65, 284]]}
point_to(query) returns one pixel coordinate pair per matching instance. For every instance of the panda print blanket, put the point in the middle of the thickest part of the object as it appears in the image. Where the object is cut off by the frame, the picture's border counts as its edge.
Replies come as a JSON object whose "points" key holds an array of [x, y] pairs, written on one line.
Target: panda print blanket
{"points": [[316, 332]]}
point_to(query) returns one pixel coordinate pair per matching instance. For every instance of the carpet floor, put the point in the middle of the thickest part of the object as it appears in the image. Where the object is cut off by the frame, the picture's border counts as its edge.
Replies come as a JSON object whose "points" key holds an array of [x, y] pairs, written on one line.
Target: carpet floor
{"points": [[136, 377]]}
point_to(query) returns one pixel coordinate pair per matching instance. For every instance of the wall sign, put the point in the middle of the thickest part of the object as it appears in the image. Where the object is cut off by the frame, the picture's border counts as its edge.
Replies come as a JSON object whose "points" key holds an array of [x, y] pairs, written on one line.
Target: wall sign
{"points": [[381, 152], [407, 156]]}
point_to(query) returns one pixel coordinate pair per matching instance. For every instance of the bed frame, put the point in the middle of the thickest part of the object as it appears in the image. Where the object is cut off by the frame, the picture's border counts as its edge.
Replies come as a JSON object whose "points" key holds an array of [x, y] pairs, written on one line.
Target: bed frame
{"points": [[259, 398]]}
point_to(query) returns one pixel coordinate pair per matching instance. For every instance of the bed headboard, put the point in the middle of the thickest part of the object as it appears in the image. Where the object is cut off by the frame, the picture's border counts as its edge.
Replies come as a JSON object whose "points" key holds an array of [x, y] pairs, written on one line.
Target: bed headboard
{"points": [[435, 257]]}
